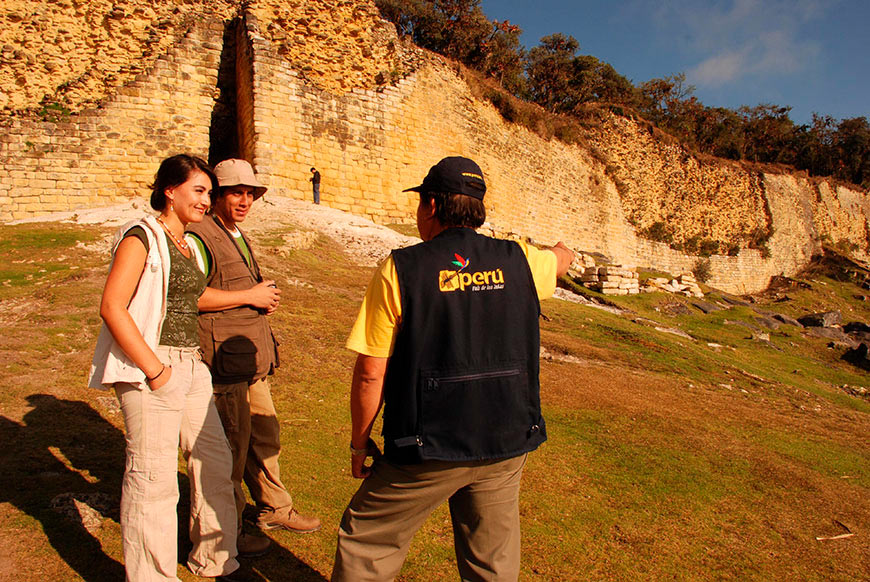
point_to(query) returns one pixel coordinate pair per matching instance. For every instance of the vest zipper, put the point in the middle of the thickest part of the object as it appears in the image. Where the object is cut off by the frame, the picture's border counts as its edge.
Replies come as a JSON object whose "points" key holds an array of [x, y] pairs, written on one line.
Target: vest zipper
{"points": [[433, 383]]}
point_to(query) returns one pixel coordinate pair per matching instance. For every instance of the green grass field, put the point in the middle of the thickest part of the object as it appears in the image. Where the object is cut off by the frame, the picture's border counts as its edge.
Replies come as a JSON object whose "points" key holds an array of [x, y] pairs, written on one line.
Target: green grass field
{"points": [[722, 457]]}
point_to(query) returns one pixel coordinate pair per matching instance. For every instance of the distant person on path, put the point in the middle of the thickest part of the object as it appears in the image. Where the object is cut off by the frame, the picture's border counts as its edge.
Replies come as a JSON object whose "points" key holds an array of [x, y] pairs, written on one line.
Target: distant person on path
{"points": [[241, 351], [148, 352], [447, 340], [315, 184]]}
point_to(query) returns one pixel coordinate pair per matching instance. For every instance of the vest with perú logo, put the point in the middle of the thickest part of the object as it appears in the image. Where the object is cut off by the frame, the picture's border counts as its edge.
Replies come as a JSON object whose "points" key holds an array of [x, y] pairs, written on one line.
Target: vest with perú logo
{"points": [[462, 382]]}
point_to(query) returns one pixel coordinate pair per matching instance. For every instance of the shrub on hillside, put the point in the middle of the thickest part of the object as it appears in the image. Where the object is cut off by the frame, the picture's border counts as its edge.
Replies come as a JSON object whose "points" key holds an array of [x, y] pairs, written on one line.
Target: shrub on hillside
{"points": [[701, 270]]}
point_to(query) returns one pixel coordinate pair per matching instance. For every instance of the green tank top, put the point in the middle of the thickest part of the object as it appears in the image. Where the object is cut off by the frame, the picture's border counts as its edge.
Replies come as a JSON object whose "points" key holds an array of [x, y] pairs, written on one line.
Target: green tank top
{"points": [[186, 284]]}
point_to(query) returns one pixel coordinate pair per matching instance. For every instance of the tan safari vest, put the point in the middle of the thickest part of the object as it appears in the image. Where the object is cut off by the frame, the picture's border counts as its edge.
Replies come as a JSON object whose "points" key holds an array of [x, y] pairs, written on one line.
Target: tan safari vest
{"points": [[237, 344]]}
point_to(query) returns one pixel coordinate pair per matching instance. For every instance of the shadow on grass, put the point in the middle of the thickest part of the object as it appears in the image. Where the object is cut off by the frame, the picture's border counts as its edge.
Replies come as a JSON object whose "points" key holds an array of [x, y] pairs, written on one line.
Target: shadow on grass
{"points": [[279, 564], [64, 450], [282, 564], [63, 454]]}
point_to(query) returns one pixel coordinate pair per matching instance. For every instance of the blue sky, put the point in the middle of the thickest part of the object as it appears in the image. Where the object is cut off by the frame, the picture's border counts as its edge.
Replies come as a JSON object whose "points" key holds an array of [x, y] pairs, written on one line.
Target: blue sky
{"points": [[813, 55]]}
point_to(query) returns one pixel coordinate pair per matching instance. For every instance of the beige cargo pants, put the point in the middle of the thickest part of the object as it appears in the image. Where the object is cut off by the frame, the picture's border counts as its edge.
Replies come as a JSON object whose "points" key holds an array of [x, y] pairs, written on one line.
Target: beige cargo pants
{"points": [[180, 411], [394, 501]]}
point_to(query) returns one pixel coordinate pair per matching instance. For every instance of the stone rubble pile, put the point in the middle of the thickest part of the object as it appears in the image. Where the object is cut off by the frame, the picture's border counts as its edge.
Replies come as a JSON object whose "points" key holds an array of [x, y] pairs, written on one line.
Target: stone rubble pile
{"points": [[684, 284], [611, 280], [623, 280]]}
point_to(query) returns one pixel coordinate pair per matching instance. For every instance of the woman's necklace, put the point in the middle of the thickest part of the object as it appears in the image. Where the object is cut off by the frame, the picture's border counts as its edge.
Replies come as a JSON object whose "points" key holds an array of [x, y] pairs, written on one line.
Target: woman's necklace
{"points": [[179, 242]]}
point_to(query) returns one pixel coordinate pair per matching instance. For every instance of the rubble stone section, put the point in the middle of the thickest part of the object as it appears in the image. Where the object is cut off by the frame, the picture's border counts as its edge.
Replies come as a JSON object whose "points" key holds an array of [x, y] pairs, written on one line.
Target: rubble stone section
{"points": [[661, 183], [77, 53], [684, 284], [611, 280], [336, 45]]}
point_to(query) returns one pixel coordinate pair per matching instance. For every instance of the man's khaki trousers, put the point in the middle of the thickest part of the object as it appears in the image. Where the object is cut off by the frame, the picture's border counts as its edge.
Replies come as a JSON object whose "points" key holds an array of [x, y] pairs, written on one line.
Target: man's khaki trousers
{"points": [[251, 425], [180, 411], [394, 501]]}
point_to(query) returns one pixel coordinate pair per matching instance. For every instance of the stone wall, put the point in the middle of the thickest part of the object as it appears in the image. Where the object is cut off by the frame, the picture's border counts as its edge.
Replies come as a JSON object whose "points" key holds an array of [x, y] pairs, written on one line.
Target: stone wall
{"points": [[370, 144], [111, 153], [376, 130]]}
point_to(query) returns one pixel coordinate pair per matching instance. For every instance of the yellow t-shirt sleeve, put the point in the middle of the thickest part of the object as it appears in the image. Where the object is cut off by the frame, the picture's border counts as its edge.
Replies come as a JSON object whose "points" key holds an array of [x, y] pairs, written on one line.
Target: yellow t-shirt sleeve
{"points": [[376, 326], [543, 266], [374, 332]]}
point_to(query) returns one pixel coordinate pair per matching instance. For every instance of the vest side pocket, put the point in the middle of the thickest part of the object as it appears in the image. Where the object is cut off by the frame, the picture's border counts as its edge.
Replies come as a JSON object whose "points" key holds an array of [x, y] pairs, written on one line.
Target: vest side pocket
{"points": [[235, 354], [476, 414]]}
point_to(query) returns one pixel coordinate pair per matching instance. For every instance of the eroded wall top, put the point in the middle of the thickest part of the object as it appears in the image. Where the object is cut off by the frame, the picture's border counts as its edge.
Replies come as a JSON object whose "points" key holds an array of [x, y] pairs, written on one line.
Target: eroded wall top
{"points": [[75, 53], [337, 45]]}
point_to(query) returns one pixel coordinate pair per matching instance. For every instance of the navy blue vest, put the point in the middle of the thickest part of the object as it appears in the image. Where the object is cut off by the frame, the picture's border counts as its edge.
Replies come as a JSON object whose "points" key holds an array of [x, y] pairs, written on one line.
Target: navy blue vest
{"points": [[462, 383]]}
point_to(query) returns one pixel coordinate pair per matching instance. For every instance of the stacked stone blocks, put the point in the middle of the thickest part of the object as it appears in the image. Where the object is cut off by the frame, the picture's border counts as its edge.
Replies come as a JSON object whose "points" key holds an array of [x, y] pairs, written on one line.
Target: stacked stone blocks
{"points": [[611, 280], [684, 284]]}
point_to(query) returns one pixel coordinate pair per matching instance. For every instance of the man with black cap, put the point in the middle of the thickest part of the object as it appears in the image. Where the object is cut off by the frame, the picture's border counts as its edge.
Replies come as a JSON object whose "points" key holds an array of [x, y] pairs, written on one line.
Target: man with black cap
{"points": [[448, 342], [239, 347]]}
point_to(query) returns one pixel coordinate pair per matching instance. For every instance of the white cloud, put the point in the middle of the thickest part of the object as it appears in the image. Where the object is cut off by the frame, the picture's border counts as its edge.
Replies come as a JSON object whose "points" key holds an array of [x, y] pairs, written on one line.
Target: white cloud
{"points": [[718, 70], [736, 40]]}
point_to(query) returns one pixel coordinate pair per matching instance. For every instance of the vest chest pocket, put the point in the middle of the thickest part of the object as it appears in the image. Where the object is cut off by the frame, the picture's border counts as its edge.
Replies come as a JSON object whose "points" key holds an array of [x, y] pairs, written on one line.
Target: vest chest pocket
{"points": [[236, 275], [476, 414]]}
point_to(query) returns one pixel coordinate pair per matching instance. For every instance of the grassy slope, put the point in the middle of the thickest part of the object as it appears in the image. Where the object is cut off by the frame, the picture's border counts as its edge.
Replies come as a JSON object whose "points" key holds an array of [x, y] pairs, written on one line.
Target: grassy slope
{"points": [[668, 458]]}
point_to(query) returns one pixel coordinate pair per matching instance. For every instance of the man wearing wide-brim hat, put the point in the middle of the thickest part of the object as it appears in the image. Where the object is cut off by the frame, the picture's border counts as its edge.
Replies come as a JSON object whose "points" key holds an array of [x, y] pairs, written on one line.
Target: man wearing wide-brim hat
{"points": [[448, 342], [240, 349]]}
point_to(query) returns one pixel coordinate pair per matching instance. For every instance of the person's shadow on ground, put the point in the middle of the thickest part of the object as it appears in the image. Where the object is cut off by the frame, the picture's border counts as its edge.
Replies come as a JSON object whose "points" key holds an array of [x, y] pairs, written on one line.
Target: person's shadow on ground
{"points": [[62, 466]]}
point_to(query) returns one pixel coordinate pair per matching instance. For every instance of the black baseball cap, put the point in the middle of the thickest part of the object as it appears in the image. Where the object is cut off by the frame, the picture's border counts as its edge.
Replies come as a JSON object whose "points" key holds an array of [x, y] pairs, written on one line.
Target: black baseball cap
{"points": [[454, 175]]}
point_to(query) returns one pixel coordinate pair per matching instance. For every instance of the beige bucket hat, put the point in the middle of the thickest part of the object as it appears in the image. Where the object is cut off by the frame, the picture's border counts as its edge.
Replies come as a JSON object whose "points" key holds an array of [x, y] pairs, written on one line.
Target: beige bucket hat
{"points": [[235, 172]]}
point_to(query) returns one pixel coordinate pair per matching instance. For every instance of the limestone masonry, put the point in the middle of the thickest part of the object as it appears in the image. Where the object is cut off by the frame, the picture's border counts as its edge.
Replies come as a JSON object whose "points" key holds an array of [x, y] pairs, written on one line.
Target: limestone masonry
{"points": [[95, 94]]}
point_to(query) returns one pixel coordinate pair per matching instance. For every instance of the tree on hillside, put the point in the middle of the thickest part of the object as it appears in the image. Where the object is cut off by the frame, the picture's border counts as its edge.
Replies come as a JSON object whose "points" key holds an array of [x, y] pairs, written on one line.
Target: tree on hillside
{"points": [[596, 80], [454, 28], [719, 131], [814, 145], [550, 70], [768, 134], [852, 150], [662, 99], [460, 30], [503, 56]]}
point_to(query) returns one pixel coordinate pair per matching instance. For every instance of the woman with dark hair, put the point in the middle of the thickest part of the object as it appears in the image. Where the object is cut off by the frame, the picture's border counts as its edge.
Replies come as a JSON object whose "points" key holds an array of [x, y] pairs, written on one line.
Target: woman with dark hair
{"points": [[148, 352]]}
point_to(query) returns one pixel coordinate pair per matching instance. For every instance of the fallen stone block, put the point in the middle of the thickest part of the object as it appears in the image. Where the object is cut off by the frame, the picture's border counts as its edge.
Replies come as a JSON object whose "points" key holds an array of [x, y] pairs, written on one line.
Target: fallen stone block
{"points": [[705, 307], [823, 319], [768, 322], [854, 326], [787, 320], [832, 333]]}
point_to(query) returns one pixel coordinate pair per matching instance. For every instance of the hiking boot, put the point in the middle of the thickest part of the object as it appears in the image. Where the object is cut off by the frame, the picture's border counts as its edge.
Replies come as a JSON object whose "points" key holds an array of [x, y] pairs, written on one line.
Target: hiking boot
{"points": [[294, 521], [251, 546]]}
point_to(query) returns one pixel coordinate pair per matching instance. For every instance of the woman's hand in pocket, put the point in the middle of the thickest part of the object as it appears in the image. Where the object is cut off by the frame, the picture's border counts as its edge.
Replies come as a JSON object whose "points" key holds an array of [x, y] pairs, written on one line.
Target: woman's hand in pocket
{"points": [[161, 380]]}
